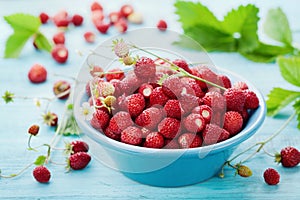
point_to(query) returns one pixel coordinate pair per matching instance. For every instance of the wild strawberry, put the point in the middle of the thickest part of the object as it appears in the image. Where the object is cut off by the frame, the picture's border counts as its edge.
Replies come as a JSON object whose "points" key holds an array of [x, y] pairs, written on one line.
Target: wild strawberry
{"points": [[145, 90], [154, 140], [50, 119], [109, 133], [128, 60], [252, 101], [120, 121], [104, 89], [158, 97], [189, 140], [149, 118], [162, 25], [89, 37], [37, 73], [96, 71], [102, 27], [271, 176], [205, 73], [126, 10], [169, 127], [121, 25], [196, 72], [172, 87], [135, 104], [171, 144], [214, 100], [240, 85], [100, 120], [173, 109], [131, 83], [233, 122], [120, 48], [243, 170], [60, 19], [226, 83], [192, 87], [235, 99], [194, 123], [41, 174], [115, 73], [59, 38], [79, 160], [205, 111], [60, 53], [135, 18], [61, 89], [118, 87], [96, 6], [217, 117], [97, 17], [188, 102], [114, 17], [77, 20], [131, 135], [144, 68], [44, 18], [145, 132], [77, 146], [213, 134], [288, 157], [182, 64], [34, 130], [245, 115]]}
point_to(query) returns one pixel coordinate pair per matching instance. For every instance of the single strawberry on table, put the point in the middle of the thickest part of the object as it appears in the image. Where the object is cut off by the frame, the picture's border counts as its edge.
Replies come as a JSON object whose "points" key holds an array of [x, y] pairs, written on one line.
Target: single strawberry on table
{"points": [[41, 174], [288, 157], [79, 160]]}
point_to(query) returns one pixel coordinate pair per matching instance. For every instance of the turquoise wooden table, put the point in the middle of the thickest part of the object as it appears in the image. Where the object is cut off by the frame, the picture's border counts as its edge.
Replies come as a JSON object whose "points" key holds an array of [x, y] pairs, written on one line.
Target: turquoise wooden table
{"points": [[98, 181]]}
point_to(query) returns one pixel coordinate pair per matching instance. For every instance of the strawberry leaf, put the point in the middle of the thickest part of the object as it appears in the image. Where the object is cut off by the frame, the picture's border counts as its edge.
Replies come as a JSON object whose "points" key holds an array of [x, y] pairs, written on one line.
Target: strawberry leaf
{"points": [[290, 69], [15, 44], [23, 22], [40, 160], [279, 98], [297, 109], [42, 42], [276, 26]]}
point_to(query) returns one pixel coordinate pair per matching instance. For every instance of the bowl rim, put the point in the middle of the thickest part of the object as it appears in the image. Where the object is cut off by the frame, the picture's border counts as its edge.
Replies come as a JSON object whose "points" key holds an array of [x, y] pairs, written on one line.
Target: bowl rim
{"points": [[247, 131]]}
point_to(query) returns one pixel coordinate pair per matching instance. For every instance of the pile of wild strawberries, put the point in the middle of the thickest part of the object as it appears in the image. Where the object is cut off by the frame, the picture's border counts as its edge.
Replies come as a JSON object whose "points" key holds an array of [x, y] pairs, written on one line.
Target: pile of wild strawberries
{"points": [[151, 106]]}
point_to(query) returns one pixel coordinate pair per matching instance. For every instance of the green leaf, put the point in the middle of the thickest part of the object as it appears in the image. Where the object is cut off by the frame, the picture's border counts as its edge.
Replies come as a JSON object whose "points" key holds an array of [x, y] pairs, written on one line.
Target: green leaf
{"points": [[279, 98], [8, 97], [276, 26], [211, 39], [297, 109], [290, 69], [40, 160], [15, 44], [23, 22], [241, 23], [42, 42], [191, 14], [266, 53]]}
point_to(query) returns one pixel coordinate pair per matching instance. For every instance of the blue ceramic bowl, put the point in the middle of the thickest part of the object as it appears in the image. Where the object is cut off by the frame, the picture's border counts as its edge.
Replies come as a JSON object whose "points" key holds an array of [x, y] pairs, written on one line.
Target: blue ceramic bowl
{"points": [[160, 167]]}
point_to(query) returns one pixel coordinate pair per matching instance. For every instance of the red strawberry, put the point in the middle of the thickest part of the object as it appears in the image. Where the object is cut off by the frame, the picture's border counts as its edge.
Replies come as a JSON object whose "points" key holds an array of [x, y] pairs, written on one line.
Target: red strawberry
{"points": [[89, 37], [114, 17], [213, 134], [44, 18], [233, 122], [158, 97], [145, 132], [289, 157], [192, 87], [126, 10], [41, 174], [34, 130], [154, 140], [131, 83], [97, 17], [96, 6], [169, 127], [171, 144], [100, 120], [162, 25], [215, 100], [182, 64], [102, 27], [188, 102], [271, 176], [96, 71], [235, 99], [109, 133], [226, 83], [144, 68], [205, 73], [173, 109], [60, 53], [120, 121], [131, 135], [60, 19], [252, 101], [245, 115], [172, 87], [115, 73], [189, 140], [79, 160], [145, 90], [59, 38], [205, 111], [77, 20], [121, 25], [135, 104], [194, 123], [50, 119], [37, 73], [149, 118], [240, 85], [78, 146], [61, 89]]}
